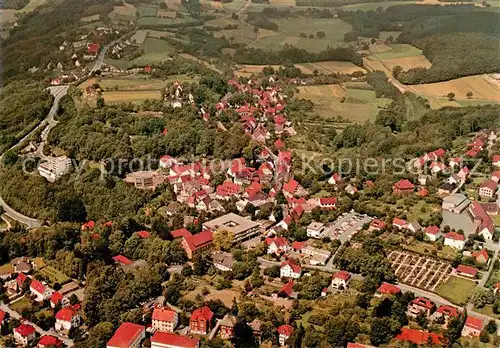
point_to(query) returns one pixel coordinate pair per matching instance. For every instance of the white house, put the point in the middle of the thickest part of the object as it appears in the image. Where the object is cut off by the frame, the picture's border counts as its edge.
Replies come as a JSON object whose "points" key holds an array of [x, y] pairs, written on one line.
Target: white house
{"points": [[341, 279], [432, 233], [284, 333], [67, 318], [24, 334], [165, 319], [277, 245], [289, 269], [41, 291], [472, 327], [455, 240], [315, 229], [335, 179]]}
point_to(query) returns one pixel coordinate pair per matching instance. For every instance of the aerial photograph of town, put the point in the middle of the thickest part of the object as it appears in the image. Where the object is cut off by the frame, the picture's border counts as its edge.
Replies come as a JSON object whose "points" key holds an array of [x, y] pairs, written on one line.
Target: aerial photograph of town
{"points": [[249, 173]]}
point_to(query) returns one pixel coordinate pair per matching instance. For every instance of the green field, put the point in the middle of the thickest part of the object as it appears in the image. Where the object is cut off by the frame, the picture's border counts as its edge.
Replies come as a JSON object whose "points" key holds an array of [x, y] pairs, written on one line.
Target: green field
{"points": [[289, 33], [155, 21], [155, 51], [146, 11], [8, 15], [456, 290], [373, 6], [53, 275], [20, 305], [397, 51]]}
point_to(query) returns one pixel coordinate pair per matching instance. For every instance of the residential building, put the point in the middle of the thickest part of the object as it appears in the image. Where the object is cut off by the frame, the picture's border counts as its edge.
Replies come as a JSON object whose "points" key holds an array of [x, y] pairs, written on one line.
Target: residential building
{"points": [[327, 203], [57, 298], [145, 180], [420, 305], [467, 271], [54, 167], [277, 245], [24, 334], [335, 179], [487, 189], [420, 338], [241, 228], [41, 291], [432, 233], [284, 333], [472, 327], [455, 240], [483, 223], [315, 229], [67, 318], [287, 290], [200, 322], [226, 326], [399, 223], [128, 335], [341, 279], [481, 256], [197, 243], [403, 187], [387, 289], [171, 340], [446, 313], [377, 225], [223, 261], [289, 269], [48, 341], [164, 319]]}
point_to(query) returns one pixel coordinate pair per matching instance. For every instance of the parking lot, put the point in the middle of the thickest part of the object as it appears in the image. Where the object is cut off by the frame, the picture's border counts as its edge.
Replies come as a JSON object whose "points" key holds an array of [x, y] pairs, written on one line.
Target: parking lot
{"points": [[345, 226], [419, 271]]}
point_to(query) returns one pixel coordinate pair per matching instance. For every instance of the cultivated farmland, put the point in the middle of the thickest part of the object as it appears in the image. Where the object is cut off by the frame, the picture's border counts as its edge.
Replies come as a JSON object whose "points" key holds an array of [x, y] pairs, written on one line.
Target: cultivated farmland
{"points": [[130, 96], [126, 12], [289, 32], [329, 67]]}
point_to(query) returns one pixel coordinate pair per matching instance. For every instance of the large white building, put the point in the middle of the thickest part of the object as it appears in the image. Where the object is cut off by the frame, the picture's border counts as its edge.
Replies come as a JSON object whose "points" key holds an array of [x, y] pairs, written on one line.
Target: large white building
{"points": [[455, 240], [54, 167]]}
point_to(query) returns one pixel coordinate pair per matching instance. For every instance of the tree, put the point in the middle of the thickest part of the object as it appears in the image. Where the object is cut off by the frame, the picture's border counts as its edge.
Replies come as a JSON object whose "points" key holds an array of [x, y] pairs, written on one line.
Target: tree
{"points": [[273, 271], [469, 95], [396, 71], [484, 336], [491, 327], [98, 336], [450, 96], [380, 331], [9, 158], [481, 297], [223, 240], [320, 34]]}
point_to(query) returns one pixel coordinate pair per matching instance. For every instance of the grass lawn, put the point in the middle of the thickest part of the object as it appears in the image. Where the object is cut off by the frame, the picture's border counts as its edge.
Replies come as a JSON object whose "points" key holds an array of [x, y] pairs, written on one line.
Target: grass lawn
{"points": [[131, 84], [447, 253], [155, 51], [487, 310], [53, 275], [130, 96], [20, 305], [289, 33], [397, 51], [146, 11], [456, 290]]}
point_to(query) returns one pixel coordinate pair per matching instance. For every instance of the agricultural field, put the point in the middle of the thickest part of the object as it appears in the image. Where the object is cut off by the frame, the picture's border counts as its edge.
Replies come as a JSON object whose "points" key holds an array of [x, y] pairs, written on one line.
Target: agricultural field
{"points": [[483, 87], [359, 105], [8, 15], [329, 67], [114, 97], [125, 12], [289, 33], [157, 21], [456, 290], [396, 51], [372, 6], [243, 34], [146, 11], [419, 61]]}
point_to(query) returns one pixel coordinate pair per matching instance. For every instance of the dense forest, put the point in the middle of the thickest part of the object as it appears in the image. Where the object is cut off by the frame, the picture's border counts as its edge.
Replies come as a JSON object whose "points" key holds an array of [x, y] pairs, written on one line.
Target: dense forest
{"points": [[13, 4], [22, 107], [458, 40]]}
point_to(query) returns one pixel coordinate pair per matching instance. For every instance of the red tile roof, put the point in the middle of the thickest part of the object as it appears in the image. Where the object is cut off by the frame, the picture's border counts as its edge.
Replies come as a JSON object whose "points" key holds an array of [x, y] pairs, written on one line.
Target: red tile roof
{"points": [[291, 186], [56, 297], [181, 232], [143, 234], [474, 322], [285, 330], [344, 275], [25, 330], [50, 341], [279, 144], [419, 337], [432, 230], [449, 311], [174, 340], [278, 241], [37, 286], [295, 268], [125, 335], [298, 245], [489, 184], [93, 48], [399, 222], [467, 270], [423, 302], [388, 289], [203, 313], [377, 223], [199, 240], [287, 288], [88, 225], [122, 259], [454, 235], [328, 201], [65, 314], [482, 252], [164, 314], [2, 316], [21, 277], [404, 185]]}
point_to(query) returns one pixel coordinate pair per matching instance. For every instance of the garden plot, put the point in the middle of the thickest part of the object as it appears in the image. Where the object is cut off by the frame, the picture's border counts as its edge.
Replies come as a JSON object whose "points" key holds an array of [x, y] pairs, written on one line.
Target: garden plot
{"points": [[419, 271]]}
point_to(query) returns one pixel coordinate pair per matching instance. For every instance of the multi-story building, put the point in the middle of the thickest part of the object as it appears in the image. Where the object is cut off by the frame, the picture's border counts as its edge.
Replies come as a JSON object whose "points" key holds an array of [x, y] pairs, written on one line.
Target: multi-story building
{"points": [[54, 167], [164, 319], [200, 322], [241, 228], [420, 305], [128, 335]]}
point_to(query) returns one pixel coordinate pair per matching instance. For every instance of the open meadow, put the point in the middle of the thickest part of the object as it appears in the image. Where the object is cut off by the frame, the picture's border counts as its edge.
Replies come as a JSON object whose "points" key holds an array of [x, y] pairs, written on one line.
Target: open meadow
{"points": [[289, 32], [329, 67], [155, 51], [456, 290], [243, 34], [125, 12], [130, 96]]}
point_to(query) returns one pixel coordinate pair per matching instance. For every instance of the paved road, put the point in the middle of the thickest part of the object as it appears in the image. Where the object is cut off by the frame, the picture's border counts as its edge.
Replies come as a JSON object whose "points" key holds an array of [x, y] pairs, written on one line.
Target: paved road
{"points": [[100, 58], [14, 314], [58, 92]]}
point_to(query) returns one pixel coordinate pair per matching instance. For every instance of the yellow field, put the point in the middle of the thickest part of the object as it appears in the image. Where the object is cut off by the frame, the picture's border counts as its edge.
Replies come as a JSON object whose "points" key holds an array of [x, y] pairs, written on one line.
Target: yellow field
{"points": [[130, 96], [407, 63], [438, 103], [482, 86], [329, 67], [373, 65], [323, 91], [379, 48], [248, 70], [125, 10]]}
